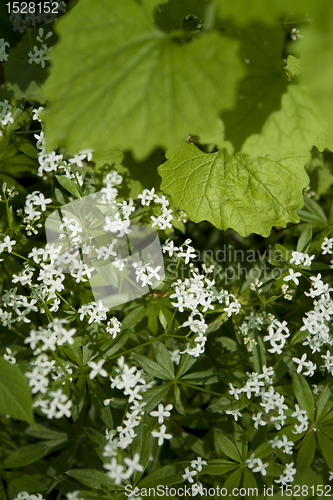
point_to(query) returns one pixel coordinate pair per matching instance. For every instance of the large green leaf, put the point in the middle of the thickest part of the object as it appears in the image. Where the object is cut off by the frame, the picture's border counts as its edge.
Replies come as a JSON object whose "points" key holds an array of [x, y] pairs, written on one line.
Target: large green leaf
{"points": [[325, 402], [92, 478], [153, 368], [303, 394], [247, 194], [15, 397], [243, 11], [24, 482], [119, 82], [167, 475], [25, 456], [292, 130], [98, 396], [227, 446], [326, 446], [261, 90], [306, 453], [316, 48], [163, 358]]}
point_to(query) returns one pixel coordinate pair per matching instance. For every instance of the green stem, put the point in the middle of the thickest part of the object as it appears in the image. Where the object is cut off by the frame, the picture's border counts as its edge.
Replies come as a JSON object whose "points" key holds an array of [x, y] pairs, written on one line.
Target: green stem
{"points": [[197, 388]]}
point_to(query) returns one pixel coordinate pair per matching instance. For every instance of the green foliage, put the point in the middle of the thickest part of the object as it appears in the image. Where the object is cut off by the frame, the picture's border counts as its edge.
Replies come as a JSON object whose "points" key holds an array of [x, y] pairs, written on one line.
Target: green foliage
{"points": [[143, 76], [260, 91], [226, 203], [316, 50], [15, 397], [200, 113]]}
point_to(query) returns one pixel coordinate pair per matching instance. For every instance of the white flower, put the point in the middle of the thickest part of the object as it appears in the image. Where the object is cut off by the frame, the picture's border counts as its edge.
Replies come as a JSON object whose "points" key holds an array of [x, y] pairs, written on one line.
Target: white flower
{"points": [[301, 362], [292, 276], [161, 412], [113, 327], [97, 369], [288, 475], [189, 475], [39, 199], [283, 443], [301, 258], [198, 463], [161, 434], [233, 307], [327, 245], [7, 243], [234, 413], [133, 464], [256, 464], [73, 495], [169, 247], [115, 471], [147, 196]]}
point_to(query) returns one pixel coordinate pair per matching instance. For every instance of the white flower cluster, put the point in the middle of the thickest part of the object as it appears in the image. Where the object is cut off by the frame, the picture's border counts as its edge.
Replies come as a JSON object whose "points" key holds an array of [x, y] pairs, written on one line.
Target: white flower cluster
{"points": [[251, 324], [38, 379], [277, 335], [164, 220], [189, 474], [40, 55], [197, 294], [49, 276], [118, 472], [282, 444], [288, 475], [161, 413], [302, 418], [271, 400], [53, 335], [197, 325], [111, 180], [95, 310], [316, 321], [311, 367], [51, 162], [6, 113], [57, 406], [328, 357], [3, 53], [257, 464], [35, 199], [187, 253], [327, 246], [20, 305], [23, 495], [300, 258], [145, 273], [287, 292], [113, 327], [130, 381]]}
